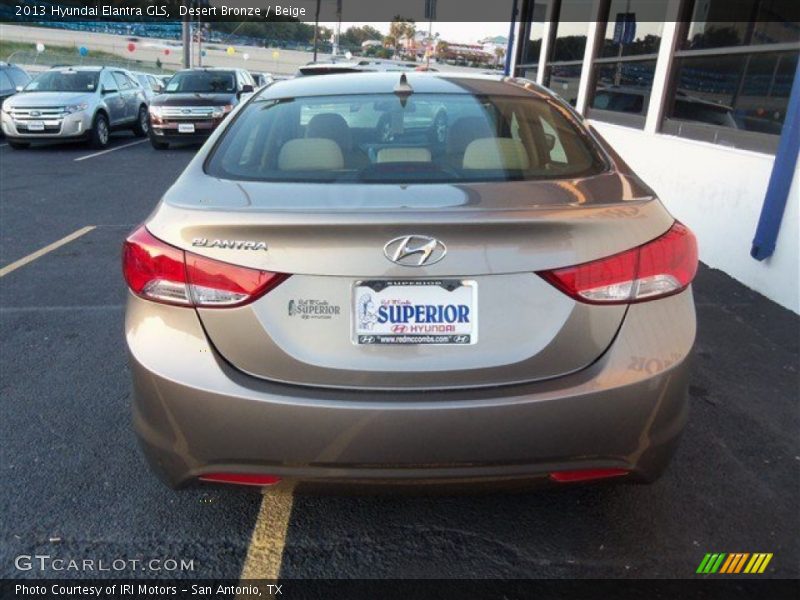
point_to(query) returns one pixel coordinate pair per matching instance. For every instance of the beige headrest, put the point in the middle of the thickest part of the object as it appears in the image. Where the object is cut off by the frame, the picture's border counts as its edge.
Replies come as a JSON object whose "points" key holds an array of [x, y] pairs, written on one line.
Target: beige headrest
{"points": [[403, 155], [496, 153], [310, 154]]}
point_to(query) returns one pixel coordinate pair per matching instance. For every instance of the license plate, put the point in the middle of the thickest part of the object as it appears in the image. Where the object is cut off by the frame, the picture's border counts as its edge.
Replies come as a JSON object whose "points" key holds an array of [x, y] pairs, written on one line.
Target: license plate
{"points": [[408, 312], [35, 125], [185, 127]]}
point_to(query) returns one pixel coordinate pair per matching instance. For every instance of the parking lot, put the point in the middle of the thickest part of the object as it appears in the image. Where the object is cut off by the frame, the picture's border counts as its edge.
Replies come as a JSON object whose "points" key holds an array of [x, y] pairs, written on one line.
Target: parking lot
{"points": [[75, 485]]}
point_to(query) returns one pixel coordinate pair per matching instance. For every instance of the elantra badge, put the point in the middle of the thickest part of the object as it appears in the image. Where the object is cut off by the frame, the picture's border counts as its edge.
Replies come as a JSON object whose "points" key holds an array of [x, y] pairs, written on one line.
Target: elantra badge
{"points": [[415, 250], [229, 244]]}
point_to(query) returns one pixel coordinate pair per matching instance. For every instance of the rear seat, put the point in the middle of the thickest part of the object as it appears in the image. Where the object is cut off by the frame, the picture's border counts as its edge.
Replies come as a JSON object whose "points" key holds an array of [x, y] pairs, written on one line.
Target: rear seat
{"points": [[310, 154], [403, 155], [496, 153]]}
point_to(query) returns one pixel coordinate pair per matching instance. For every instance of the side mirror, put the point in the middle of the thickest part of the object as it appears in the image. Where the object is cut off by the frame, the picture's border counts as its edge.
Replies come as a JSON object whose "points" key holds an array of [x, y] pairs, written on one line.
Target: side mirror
{"points": [[19, 88], [247, 89], [550, 140], [109, 90]]}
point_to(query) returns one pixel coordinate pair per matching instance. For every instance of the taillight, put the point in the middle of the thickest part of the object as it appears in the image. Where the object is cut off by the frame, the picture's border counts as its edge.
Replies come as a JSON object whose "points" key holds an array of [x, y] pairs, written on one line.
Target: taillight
{"points": [[157, 271], [664, 266]]}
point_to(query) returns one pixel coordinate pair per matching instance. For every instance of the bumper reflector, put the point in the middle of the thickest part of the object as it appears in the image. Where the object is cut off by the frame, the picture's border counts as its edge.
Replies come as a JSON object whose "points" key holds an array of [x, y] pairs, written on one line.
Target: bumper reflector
{"points": [[240, 478], [586, 475]]}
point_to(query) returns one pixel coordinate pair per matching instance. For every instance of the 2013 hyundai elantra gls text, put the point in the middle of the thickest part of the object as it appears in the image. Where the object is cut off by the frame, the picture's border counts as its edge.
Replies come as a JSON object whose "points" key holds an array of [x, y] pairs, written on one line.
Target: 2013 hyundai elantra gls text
{"points": [[336, 290]]}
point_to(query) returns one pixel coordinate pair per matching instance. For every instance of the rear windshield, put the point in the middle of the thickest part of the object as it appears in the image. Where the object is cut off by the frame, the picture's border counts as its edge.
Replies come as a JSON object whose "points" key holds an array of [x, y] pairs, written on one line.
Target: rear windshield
{"points": [[202, 82], [417, 139]]}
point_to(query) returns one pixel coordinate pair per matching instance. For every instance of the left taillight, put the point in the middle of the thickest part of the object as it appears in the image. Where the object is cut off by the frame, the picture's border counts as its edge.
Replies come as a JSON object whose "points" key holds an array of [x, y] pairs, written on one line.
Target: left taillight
{"points": [[659, 268], [157, 271]]}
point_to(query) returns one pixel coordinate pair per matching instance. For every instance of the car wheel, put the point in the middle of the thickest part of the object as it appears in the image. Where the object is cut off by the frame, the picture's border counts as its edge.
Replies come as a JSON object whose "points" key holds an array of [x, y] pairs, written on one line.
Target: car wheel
{"points": [[18, 145], [142, 125], [101, 132], [440, 127], [158, 145]]}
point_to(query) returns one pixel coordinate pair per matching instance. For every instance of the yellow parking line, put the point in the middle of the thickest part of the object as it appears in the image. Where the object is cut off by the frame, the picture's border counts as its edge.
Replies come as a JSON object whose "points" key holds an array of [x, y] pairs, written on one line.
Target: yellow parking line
{"points": [[265, 553], [49, 248]]}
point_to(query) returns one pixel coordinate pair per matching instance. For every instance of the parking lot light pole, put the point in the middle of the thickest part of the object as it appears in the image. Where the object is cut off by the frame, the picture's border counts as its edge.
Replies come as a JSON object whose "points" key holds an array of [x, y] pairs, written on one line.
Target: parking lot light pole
{"points": [[186, 35], [316, 30]]}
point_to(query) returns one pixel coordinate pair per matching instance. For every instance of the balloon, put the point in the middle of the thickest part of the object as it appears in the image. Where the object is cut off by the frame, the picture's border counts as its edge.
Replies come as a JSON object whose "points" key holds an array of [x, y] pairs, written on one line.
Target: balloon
{"points": [[231, 50], [83, 51], [39, 47], [131, 47], [245, 56], [166, 52]]}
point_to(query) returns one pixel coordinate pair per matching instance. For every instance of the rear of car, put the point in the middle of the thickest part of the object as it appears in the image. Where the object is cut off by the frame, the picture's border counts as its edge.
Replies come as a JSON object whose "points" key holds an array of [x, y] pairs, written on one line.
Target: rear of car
{"points": [[194, 102], [314, 299]]}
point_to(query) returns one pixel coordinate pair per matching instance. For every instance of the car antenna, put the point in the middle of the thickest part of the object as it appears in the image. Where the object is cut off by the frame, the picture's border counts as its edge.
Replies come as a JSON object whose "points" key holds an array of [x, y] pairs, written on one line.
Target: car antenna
{"points": [[403, 89]]}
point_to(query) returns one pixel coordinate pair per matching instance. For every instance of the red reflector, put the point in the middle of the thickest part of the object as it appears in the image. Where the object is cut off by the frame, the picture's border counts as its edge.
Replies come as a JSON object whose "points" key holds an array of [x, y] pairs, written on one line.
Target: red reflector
{"points": [[240, 478], [586, 475], [157, 271], [659, 268]]}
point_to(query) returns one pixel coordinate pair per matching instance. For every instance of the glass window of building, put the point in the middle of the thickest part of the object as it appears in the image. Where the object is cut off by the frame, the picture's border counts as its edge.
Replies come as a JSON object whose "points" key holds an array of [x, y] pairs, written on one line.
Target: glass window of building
{"points": [[732, 77], [568, 46], [532, 36], [626, 61]]}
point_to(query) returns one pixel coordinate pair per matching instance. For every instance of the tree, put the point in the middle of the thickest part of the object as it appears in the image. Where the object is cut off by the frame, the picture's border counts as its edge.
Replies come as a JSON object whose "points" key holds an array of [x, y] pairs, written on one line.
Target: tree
{"points": [[499, 54], [401, 28], [355, 36]]}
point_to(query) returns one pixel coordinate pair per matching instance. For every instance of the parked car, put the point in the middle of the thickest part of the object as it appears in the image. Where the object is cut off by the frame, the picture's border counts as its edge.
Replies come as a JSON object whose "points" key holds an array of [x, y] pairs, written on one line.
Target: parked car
{"points": [[631, 100], [194, 103], [74, 103], [309, 302], [151, 84], [359, 66], [261, 79], [12, 80]]}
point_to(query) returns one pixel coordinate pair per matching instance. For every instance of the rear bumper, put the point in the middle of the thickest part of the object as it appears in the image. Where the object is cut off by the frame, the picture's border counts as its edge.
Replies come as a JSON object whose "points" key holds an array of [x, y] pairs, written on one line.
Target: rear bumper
{"points": [[195, 414]]}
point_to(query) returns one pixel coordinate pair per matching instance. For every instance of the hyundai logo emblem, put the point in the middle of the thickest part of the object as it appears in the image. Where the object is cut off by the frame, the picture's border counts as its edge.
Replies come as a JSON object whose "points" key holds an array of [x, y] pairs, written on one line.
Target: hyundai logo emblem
{"points": [[35, 113], [414, 250]]}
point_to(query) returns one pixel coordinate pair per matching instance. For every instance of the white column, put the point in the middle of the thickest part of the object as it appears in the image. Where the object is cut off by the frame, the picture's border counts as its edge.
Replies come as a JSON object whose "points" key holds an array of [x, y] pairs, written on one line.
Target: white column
{"points": [[666, 51], [518, 29], [545, 50], [595, 29]]}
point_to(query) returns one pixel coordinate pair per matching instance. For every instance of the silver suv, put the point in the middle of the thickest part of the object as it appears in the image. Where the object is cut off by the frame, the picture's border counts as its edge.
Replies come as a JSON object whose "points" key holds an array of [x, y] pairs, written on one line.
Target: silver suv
{"points": [[70, 103]]}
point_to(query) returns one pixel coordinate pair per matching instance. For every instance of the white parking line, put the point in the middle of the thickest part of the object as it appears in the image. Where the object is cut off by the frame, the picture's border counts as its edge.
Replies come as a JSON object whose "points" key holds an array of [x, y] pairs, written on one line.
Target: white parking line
{"points": [[49, 248], [110, 150]]}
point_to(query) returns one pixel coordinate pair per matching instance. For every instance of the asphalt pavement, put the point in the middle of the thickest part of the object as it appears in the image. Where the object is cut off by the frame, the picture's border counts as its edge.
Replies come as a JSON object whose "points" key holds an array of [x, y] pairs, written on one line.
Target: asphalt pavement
{"points": [[75, 486]]}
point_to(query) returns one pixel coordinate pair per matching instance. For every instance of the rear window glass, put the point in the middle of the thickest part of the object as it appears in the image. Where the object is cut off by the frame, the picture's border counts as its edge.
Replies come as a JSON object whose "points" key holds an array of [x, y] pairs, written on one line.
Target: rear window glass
{"points": [[381, 138]]}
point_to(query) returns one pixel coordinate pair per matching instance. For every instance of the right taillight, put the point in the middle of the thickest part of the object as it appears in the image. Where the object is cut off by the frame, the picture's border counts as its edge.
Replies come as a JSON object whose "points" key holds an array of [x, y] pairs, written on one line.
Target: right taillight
{"points": [[656, 269], [157, 271]]}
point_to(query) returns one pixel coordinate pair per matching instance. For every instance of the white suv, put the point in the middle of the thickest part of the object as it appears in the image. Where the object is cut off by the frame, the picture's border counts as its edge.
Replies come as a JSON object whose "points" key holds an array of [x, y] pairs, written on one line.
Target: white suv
{"points": [[69, 103]]}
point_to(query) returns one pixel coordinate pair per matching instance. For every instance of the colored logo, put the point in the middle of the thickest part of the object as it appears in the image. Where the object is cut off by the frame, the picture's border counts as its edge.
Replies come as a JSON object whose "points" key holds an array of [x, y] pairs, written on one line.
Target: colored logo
{"points": [[731, 564]]}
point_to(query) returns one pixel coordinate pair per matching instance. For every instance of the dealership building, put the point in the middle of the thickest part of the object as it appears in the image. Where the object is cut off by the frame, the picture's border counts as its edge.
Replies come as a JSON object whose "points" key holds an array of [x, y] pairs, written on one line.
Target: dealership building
{"points": [[702, 99]]}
